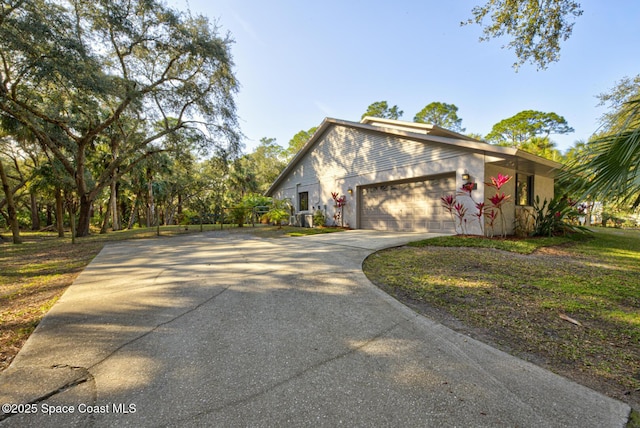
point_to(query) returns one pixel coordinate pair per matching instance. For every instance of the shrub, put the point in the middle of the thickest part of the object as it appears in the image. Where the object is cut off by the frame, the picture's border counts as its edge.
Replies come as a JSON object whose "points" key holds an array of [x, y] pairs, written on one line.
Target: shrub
{"points": [[279, 211], [239, 213], [553, 217], [318, 218]]}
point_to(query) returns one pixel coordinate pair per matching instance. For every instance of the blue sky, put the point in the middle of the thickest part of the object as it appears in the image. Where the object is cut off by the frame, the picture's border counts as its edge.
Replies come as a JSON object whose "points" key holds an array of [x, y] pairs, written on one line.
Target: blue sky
{"points": [[300, 61]]}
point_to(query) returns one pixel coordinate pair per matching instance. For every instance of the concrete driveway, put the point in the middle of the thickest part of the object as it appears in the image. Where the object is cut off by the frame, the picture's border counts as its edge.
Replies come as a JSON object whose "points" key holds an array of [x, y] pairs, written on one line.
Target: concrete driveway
{"points": [[229, 330]]}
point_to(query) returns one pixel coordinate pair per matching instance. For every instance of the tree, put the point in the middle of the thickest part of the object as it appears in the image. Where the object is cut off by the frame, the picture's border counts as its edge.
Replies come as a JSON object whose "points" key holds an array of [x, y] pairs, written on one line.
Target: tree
{"points": [[527, 124], [267, 162], [543, 147], [382, 109], [299, 140], [77, 72], [11, 206], [242, 179], [441, 114], [535, 27], [615, 117], [609, 168]]}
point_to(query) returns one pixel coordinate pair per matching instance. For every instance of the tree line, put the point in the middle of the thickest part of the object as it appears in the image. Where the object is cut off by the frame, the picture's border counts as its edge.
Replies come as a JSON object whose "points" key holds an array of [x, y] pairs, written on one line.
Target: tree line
{"points": [[117, 113]]}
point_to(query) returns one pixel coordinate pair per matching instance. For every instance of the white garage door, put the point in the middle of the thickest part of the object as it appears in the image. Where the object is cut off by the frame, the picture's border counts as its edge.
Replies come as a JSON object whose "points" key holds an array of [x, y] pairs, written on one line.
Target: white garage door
{"points": [[414, 206]]}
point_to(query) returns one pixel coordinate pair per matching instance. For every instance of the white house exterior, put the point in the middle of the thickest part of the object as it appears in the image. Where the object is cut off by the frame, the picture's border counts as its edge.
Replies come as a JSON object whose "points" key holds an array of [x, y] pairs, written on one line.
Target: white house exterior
{"points": [[393, 175]]}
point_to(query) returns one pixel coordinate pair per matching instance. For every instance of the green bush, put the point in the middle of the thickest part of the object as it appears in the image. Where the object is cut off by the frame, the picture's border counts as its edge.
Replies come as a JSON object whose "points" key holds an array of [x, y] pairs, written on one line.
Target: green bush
{"points": [[238, 214], [279, 211], [319, 218], [554, 217]]}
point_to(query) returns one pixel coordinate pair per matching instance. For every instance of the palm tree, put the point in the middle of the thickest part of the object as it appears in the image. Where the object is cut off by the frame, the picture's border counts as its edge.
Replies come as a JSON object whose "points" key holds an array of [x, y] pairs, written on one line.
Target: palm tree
{"points": [[612, 161]]}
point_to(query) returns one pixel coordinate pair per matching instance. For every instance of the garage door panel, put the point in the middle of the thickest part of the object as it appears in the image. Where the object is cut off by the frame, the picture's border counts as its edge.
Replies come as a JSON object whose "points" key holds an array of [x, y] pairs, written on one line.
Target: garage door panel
{"points": [[407, 206]]}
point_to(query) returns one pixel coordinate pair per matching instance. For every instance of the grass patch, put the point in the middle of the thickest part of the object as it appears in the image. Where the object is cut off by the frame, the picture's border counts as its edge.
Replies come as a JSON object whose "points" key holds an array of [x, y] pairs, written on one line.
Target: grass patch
{"points": [[521, 246], [513, 298], [306, 231]]}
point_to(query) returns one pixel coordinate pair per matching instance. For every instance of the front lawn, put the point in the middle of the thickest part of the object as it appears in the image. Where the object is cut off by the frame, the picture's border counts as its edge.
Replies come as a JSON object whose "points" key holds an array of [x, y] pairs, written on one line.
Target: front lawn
{"points": [[570, 305]]}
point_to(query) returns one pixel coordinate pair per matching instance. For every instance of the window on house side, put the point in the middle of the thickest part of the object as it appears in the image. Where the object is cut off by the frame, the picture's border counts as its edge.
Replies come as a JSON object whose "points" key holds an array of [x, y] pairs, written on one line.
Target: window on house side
{"points": [[524, 189], [303, 201]]}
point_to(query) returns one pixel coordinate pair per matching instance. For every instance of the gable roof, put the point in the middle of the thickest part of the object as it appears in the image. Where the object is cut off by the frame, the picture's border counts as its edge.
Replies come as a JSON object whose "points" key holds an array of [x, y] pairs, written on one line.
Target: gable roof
{"points": [[503, 156]]}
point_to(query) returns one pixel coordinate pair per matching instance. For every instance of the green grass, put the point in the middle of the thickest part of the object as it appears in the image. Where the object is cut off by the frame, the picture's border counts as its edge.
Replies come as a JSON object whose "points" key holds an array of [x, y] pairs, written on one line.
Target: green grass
{"points": [[305, 231], [522, 246], [516, 290]]}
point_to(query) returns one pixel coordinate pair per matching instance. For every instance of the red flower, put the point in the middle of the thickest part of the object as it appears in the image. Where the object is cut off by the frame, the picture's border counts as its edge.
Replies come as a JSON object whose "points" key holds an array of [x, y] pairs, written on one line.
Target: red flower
{"points": [[500, 181], [448, 201], [497, 200], [460, 209], [467, 187]]}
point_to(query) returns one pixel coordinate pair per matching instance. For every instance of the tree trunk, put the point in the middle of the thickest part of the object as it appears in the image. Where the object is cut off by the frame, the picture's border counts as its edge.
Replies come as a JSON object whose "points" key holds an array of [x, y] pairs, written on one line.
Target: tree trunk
{"points": [[587, 217], [35, 215], [113, 204], [49, 216], [11, 207], [151, 210], [134, 210], [105, 221], [59, 214], [72, 220], [84, 217]]}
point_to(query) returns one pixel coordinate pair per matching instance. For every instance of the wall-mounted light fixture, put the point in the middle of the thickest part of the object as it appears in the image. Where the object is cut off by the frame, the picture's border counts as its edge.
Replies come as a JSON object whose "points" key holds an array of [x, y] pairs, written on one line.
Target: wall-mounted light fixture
{"points": [[466, 176], [350, 190]]}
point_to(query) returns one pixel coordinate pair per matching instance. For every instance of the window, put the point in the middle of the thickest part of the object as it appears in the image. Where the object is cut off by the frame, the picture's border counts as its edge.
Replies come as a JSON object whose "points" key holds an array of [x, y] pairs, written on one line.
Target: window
{"points": [[524, 189], [303, 201]]}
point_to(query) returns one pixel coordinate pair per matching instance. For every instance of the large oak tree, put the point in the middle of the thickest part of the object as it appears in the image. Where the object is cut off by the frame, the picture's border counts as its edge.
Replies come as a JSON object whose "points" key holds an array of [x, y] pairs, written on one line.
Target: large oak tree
{"points": [[132, 74], [535, 28]]}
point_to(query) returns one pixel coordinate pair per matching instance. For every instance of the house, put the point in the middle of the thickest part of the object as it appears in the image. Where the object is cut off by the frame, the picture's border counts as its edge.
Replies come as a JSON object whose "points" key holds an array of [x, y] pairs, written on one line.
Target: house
{"points": [[393, 175]]}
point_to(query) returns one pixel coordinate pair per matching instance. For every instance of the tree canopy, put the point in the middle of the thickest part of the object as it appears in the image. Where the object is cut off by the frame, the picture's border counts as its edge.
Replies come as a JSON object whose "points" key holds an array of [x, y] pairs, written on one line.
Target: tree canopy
{"points": [[382, 109], [130, 78], [535, 28], [608, 167], [299, 140], [516, 130], [440, 114]]}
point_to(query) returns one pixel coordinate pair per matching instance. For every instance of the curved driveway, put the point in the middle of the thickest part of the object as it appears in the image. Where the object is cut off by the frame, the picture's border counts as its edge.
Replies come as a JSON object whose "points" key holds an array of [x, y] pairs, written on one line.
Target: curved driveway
{"points": [[228, 330]]}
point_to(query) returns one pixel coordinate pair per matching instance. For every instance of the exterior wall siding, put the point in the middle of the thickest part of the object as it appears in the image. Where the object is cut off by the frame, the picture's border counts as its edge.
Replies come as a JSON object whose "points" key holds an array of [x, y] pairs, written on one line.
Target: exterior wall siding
{"points": [[346, 158]]}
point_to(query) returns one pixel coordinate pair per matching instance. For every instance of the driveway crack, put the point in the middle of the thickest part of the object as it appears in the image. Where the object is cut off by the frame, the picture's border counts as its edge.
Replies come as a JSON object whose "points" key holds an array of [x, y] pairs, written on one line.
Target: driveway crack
{"points": [[162, 324], [297, 375], [83, 377]]}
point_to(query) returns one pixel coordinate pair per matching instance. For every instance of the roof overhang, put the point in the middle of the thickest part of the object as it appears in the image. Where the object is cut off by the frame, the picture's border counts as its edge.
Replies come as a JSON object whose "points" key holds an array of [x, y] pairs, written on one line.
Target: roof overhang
{"points": [[508, 157]]}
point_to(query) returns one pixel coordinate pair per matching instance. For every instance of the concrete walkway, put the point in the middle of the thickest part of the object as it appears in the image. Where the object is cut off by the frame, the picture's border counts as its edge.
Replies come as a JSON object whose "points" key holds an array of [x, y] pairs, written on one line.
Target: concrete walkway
{"points": [[230, 330]]}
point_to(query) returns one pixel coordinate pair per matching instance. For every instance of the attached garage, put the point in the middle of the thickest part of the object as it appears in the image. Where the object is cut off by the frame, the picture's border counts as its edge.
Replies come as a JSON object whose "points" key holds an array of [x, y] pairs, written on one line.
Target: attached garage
{"points": [[407, 206], [391, 175]]}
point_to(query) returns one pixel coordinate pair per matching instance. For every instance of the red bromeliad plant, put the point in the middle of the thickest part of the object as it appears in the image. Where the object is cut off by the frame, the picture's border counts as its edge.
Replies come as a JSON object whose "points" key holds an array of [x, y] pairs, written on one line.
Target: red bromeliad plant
{"points": [[478, 214], [447, 203], [491, 215], [339, 202], [460, 211], [498, 200], [500, 181]]}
